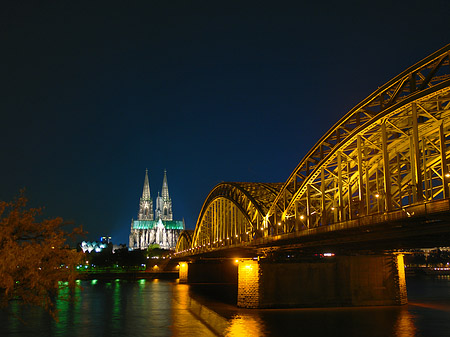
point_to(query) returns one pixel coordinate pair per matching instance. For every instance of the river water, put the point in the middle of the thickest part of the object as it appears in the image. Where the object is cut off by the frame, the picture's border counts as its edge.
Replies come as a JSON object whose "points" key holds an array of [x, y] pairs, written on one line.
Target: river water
{"points": [[166, 308]]}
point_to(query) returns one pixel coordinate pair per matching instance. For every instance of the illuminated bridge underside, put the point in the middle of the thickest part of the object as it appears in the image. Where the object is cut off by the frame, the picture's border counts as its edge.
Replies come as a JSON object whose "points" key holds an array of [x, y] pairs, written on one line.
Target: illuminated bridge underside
{"points": [[386, 156]]}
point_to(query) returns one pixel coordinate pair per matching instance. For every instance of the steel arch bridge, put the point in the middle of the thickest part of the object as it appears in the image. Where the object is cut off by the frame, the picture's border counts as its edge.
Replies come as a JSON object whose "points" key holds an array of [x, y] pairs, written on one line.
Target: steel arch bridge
{"points": [[385, 156]]}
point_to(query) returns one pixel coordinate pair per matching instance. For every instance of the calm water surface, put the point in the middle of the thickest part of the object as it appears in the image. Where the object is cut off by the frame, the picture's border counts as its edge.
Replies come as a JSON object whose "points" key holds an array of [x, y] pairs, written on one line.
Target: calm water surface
{"points": [[162, 308]]}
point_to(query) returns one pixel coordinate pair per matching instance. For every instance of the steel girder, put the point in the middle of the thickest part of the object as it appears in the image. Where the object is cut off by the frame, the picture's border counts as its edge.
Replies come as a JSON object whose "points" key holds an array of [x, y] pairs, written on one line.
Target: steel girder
{"points": [[233, 213], [184, 242], [388, 152]]}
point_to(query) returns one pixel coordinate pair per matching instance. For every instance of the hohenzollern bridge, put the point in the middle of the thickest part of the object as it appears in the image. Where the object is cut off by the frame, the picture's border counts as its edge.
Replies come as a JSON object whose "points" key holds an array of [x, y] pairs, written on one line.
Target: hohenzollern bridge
{"points": [[375, 184]]}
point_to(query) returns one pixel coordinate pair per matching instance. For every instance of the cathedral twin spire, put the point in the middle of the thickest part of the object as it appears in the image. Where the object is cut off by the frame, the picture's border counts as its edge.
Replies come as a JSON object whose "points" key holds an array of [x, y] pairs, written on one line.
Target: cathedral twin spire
{"points": [[146, 191], [165, 187], [163, 209], [146, 202]]}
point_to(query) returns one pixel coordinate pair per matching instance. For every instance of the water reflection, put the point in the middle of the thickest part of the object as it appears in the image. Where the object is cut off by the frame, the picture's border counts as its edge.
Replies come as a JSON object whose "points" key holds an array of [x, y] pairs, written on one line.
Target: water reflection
{"points": [[405, 325], [160, 308], [362, 321], [116, 314], [324, 322], [245, 325]]}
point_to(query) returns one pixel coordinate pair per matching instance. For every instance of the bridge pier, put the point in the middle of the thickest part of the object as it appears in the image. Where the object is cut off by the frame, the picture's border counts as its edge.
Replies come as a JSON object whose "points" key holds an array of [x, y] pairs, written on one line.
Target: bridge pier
{"points": [[362, 280], [183, 272]]}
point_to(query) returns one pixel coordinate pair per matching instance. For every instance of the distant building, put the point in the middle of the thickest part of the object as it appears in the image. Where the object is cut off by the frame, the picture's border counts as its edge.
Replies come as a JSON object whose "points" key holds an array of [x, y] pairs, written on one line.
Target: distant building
{"points": [[89, 246], [156, 227], [105, 239]]}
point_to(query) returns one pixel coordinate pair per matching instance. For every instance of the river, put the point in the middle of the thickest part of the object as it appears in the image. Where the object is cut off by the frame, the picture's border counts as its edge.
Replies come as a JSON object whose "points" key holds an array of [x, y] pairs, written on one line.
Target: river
{"points": [[166, 308]]}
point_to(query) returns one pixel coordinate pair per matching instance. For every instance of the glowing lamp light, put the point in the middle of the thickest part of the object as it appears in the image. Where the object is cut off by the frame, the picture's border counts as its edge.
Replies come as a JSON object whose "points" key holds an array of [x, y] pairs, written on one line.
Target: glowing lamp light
{"points": [[302, 217], [332, 208], [447, 175], [279, 224], [377, 195], [236, 261]]}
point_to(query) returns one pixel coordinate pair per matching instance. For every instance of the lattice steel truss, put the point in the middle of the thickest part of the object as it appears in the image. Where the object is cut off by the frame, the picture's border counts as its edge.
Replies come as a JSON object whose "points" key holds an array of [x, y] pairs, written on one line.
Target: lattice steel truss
{"points": [[232, 213], [184, 242], [388, 152]]}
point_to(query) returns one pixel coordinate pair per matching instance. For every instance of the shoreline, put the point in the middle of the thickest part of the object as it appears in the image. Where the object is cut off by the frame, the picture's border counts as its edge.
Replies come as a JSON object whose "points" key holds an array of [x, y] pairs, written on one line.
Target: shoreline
{"points": [[132, 275]]}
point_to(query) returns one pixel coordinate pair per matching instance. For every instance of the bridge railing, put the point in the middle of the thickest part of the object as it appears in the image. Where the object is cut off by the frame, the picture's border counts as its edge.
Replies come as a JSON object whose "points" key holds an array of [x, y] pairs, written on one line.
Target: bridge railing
{"points": [[424, 209], [417, 210]]}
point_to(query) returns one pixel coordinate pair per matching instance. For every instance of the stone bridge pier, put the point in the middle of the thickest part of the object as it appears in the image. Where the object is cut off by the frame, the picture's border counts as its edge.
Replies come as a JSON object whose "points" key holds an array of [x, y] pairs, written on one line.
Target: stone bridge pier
{"points": [[359, 280]]}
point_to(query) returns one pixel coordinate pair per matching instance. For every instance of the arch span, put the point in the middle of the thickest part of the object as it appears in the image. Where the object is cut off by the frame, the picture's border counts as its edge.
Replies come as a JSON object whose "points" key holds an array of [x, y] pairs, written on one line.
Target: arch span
{"points": [[232, 213], [389, 152], [184, 242]]}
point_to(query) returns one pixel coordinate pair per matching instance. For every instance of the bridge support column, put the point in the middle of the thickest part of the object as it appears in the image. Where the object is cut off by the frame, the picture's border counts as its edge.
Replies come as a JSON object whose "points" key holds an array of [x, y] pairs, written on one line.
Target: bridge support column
{"points": [[329, 282], [183, 272]]}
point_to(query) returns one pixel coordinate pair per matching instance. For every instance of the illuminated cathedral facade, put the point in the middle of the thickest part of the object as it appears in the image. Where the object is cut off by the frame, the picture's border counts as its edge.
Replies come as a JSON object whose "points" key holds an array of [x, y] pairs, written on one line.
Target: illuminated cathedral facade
{"points": [[155, 227]]}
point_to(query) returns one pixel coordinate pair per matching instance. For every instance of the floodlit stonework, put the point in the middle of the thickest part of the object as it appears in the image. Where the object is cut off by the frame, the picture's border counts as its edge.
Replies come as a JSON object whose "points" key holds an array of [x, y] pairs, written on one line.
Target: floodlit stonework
{"points": [[158, 227]]}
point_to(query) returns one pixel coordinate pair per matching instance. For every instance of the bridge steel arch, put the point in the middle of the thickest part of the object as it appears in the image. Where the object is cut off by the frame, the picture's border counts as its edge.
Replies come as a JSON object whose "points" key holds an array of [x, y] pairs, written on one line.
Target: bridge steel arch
{"points": [[233, 213], [184, 242], [388, 152]]}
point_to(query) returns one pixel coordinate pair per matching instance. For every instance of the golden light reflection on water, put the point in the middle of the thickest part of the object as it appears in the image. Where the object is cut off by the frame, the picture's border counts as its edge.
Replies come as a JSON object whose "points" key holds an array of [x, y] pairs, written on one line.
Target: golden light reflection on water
{"points": [[245, 325], [181, 294], [185, 319], [172, 309], [405, 325]]}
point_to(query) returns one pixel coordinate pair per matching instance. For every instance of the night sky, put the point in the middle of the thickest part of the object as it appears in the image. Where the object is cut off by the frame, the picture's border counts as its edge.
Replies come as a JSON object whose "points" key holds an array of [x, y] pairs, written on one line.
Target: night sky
{"points": [[92, 93]]}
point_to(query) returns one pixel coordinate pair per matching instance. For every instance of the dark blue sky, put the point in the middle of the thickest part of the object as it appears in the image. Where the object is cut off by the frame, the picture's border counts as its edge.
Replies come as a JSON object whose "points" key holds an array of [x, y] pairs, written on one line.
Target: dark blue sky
{"points": [[93, 93]]}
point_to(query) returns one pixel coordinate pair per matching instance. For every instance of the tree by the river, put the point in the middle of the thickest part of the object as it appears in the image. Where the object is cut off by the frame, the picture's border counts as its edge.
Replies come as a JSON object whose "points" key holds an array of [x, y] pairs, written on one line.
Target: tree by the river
{"points": [[36, 260]]}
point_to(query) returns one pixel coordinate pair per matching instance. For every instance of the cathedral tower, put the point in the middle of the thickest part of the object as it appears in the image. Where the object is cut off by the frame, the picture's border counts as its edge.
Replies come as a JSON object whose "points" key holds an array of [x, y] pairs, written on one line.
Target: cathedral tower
{"points": [[163, 202], [146, 202], [155, 228]]}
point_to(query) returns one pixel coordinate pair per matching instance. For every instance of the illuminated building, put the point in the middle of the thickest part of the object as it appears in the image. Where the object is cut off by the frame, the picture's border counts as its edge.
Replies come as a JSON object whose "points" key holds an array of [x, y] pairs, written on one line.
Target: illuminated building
{"points": [[158, 227], [88, 246]]}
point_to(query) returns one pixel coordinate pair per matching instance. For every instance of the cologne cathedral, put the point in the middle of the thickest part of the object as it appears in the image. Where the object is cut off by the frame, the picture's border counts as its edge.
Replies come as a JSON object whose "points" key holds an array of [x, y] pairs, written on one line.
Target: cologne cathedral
{"points": [[158, 227]]}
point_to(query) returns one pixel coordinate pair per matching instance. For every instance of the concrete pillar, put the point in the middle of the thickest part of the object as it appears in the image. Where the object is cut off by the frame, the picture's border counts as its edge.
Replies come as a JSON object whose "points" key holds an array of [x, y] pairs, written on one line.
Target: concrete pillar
{"points": [[183, 272], [364, 280], [249, 273]]}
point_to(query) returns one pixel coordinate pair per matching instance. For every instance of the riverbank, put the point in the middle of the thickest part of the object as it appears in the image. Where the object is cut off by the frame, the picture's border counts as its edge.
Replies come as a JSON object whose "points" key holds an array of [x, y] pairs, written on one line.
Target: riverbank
{"points": [[128, 275], [430, 271]]}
